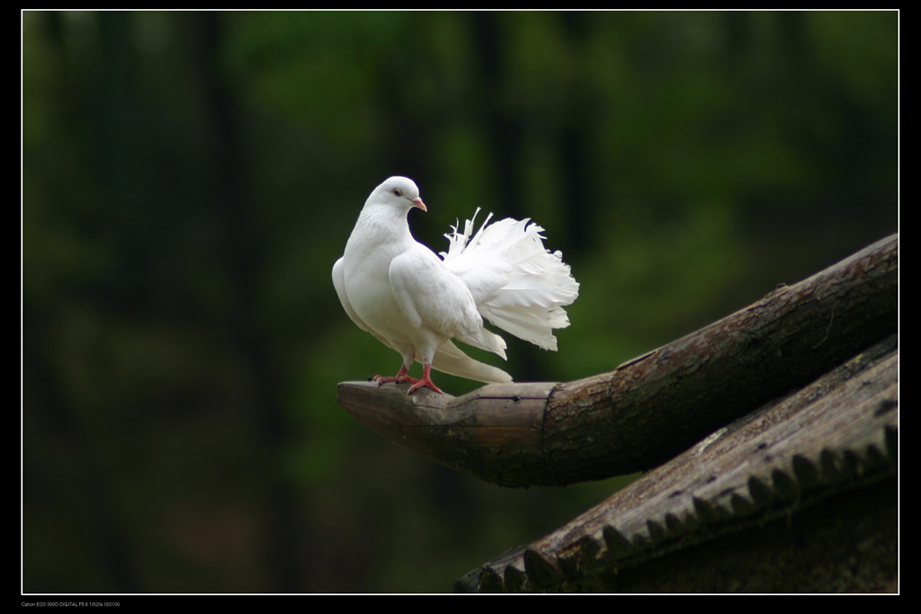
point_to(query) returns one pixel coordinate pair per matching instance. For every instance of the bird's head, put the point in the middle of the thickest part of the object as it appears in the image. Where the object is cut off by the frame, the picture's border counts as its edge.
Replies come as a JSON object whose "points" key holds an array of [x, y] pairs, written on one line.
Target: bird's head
{"points": [[400, 192]]}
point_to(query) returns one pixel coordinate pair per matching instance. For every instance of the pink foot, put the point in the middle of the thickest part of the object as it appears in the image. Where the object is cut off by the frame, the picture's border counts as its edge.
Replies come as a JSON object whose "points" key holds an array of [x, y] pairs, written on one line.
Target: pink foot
{"points": [[426, 381], [400, 378]]}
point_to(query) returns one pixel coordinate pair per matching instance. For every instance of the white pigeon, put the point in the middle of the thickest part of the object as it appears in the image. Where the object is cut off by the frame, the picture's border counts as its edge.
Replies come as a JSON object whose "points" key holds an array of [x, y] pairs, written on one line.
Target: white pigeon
{"points": [[416, 303]]}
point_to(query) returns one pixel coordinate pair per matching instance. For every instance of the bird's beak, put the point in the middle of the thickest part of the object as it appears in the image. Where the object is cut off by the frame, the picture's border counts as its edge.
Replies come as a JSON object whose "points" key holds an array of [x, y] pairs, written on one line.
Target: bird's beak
{"points": [[418, 203]]}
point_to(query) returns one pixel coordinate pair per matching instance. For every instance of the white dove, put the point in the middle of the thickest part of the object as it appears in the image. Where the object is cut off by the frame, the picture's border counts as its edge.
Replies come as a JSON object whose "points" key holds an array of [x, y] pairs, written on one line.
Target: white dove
{"points": [[415, 302]]}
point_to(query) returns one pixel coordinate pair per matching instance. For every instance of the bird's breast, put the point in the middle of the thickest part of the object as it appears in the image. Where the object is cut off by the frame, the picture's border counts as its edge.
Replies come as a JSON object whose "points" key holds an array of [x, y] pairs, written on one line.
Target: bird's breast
{"points": [[367, 283]]}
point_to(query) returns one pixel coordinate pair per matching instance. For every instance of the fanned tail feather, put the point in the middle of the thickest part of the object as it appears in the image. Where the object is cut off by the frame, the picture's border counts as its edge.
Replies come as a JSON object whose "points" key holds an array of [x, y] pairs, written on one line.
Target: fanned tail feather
{"points": [[518, 285]]}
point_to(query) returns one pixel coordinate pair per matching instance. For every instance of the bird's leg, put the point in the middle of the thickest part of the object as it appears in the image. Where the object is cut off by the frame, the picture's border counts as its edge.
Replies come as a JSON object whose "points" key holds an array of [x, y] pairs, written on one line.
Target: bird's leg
{"points": [[425, 381], [401, 378]]}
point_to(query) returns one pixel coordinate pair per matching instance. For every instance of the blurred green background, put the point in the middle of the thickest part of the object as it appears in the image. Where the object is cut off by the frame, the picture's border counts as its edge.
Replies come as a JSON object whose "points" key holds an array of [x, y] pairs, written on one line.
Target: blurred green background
{"points": [[188, 180]]}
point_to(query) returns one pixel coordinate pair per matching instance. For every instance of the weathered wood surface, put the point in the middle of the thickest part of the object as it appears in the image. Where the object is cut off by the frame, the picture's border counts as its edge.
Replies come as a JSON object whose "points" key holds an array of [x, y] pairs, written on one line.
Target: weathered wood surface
{"points": [[657, 405], [800, 495]]}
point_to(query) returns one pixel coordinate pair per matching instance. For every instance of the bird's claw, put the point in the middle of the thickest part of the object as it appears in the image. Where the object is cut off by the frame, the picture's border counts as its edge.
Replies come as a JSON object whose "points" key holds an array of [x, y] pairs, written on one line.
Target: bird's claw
{"points": [[403, 378], [424, 382]]}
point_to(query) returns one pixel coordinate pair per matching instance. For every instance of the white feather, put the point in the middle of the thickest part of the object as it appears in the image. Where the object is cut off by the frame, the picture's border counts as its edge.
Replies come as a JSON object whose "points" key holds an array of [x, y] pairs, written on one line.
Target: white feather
{"points": [[517, 284]]}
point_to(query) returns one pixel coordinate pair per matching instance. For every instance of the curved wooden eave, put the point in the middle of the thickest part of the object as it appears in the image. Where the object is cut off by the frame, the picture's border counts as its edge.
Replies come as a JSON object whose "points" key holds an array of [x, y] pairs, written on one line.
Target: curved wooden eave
{"points": [[652, 407]]}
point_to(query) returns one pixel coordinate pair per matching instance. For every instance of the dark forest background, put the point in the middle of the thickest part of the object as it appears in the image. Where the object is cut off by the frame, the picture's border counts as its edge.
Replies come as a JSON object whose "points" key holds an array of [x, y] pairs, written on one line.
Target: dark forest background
{"points": [[189, 178]]}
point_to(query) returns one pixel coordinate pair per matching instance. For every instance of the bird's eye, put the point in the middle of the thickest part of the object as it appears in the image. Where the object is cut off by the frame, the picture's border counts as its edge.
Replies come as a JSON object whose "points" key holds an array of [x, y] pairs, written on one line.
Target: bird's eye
{"points": [[398, 191]]}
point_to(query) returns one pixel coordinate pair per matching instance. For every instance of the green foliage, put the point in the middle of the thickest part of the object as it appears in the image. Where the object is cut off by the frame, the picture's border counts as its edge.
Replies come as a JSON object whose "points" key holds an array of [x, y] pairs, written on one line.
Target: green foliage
{"points": [[190, 178]]}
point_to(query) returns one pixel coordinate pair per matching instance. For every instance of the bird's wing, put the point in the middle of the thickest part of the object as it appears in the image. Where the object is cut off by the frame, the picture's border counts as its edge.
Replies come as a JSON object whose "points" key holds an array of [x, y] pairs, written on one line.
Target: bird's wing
{"points": [[432, 297]]}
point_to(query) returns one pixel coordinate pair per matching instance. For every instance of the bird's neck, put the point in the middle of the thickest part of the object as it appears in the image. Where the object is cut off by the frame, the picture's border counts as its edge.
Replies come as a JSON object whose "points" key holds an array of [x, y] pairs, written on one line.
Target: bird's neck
{"points": [[384, 226]]}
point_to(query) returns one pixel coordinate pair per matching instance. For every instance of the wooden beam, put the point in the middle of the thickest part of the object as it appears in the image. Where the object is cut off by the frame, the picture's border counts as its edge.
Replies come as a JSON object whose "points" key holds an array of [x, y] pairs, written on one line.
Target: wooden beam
{"points": [[653, 407]]}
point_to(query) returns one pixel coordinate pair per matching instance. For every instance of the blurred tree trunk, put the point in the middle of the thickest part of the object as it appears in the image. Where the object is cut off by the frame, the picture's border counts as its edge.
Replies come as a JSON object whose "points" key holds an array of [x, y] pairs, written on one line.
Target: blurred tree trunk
{"points": [[503, 132], [575, 156], [116, 96], [243, 255]]}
